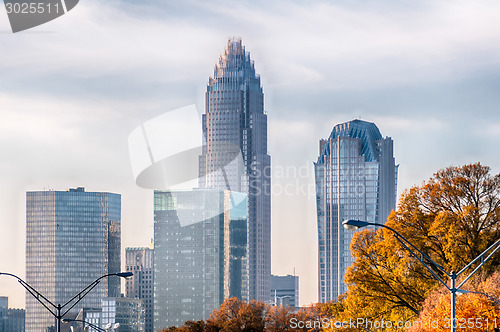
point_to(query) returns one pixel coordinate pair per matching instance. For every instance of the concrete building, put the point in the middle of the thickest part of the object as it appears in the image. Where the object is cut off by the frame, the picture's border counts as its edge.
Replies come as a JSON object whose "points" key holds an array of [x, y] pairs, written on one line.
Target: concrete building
{"points": [[140, 261], [4, 307], [11, 320], [72, 238], [356, 177], [285, 290]]}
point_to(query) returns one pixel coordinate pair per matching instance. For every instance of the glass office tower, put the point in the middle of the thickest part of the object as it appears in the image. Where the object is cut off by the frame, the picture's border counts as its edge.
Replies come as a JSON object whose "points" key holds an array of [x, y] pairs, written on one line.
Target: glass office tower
{"points": [[235, 155], [200, 244], [356, 178], [72, 238]]}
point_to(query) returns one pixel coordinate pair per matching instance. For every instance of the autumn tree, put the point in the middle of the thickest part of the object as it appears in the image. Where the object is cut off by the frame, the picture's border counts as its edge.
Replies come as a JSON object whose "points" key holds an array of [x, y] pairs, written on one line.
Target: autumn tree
{"points": [[278, 319], [474, 311], [451, 218], [237, 315]]}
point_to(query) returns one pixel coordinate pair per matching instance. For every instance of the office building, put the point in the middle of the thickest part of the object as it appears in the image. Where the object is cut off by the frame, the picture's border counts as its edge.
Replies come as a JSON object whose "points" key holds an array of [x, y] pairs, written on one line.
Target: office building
{"points": [[356, 178], [72, 238], [129, 313], [235, 156], [4, 307], [15, 320], [285, 290], [11, 320], [200, 253], [140, 286], [124, 313]]}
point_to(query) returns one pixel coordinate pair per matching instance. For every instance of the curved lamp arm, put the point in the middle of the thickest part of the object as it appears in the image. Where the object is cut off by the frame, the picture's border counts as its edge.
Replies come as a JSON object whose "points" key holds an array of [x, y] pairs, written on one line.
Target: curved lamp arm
{"points": [[90, 287], [33, 292], [84, 322], [355, 224], [492, 298]]}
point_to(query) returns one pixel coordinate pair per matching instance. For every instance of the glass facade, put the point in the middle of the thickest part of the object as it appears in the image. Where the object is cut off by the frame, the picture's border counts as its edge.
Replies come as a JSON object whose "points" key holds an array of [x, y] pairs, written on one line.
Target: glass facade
{"points": [[72, 238], [140, 262], [129, 313], [235, 155], [355, 178], [199, 261]]}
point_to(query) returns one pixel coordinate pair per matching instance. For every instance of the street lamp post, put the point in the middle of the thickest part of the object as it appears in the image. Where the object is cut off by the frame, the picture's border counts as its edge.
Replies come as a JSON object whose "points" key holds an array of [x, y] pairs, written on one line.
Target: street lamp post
{"points": [[59, 308], [356, 224]]}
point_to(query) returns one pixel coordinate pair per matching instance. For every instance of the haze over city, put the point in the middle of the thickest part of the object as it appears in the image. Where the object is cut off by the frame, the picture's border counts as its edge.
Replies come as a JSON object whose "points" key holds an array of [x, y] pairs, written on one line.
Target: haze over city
{"points": [[72, 91]]}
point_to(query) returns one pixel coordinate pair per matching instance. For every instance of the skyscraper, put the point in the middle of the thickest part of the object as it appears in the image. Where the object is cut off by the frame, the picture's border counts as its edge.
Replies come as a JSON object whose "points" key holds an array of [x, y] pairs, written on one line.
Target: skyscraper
{"points": [[235, 155], [356, 178], [200, 253], [140, 261], [72, 238]]}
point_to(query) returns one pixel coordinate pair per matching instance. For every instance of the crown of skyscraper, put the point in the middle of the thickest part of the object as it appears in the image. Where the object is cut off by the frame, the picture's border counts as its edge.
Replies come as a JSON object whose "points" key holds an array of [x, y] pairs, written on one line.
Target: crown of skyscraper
{"points": [[368, 132], [235, 62]]}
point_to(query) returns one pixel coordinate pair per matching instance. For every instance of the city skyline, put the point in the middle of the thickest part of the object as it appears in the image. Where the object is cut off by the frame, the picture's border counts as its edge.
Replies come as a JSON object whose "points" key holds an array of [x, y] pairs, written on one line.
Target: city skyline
{"points": [[424, 72]]}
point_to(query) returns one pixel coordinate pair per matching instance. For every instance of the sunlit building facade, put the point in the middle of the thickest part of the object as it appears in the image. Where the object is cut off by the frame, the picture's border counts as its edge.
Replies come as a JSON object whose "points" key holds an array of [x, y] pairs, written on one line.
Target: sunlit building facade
{"points": [[235, 156], [72, 238], [200, 244], [140, 261], [356, 177]]}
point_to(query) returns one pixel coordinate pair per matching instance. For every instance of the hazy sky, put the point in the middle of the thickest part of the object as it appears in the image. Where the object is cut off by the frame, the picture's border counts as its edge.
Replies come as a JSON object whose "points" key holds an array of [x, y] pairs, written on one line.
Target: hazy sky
{"points": [[426, 72]]}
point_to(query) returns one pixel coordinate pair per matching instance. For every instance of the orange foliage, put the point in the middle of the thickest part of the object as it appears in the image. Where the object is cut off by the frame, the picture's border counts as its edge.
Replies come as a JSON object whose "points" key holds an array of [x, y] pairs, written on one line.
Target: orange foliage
{"points": [[474, 312]]}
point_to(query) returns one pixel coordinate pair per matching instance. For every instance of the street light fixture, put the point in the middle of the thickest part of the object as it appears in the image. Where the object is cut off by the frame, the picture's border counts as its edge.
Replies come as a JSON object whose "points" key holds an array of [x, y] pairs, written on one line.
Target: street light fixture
{"points": [[58, 308], [356, 224], [111, 326]]}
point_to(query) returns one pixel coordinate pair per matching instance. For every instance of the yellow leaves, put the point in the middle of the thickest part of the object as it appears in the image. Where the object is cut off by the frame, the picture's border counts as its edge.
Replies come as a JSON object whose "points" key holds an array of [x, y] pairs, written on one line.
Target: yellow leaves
{"points": [[474, 312], [450, 218]]}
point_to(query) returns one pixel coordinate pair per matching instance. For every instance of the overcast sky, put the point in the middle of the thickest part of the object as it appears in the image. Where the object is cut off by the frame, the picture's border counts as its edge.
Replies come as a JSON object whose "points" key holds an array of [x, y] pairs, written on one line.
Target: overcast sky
{"points": [[71, 91]]}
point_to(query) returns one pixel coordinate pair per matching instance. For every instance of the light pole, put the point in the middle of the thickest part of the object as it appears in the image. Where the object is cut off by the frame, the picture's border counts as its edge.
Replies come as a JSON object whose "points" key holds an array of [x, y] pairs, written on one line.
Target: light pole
{"points": [[57, 309], [453, 288]]}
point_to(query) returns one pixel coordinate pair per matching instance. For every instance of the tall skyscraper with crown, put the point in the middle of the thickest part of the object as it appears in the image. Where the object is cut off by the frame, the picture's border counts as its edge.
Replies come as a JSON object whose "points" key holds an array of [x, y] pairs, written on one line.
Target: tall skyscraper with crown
{"points": [[235, 156], [356, 176]]}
